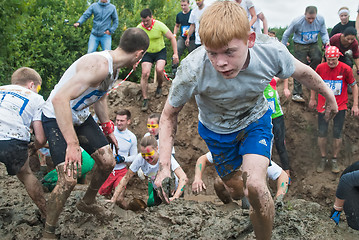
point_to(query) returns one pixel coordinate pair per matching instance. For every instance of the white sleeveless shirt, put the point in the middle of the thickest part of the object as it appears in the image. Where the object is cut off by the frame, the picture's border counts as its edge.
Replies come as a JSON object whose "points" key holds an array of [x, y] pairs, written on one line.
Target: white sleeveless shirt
{"points": [[79, 106]]}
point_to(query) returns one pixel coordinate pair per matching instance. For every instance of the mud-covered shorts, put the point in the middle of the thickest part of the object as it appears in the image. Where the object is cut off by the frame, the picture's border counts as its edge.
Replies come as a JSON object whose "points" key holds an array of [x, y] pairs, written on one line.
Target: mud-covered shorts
{"points": [[228, 149], [89, 134], [13, 153]]}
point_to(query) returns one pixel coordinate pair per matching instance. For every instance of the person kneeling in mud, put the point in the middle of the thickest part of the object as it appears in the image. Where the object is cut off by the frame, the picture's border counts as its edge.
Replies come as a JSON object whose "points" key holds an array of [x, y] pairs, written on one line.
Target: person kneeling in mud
{"points": [[148, 161], [225, 193]]}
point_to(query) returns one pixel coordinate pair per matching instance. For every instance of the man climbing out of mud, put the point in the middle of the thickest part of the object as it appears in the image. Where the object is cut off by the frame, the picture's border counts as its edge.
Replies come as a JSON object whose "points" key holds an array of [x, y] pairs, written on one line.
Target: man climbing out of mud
{"points": [[68, 123], [20, 108], [275, 172], [338, 76], [228, 76]]}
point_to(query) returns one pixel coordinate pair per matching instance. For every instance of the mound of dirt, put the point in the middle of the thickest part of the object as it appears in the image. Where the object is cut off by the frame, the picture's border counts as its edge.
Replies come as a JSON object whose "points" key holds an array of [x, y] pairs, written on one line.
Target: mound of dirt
{"points": [[304, 215]]}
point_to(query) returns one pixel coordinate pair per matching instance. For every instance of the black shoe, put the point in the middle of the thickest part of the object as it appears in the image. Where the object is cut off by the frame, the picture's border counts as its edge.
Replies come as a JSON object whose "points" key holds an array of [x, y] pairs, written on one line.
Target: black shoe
{"points": [[158, 92], [144, 105]]}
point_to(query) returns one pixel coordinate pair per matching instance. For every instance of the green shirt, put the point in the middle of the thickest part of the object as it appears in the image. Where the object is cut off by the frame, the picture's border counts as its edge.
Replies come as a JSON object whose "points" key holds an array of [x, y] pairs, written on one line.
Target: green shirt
{"points": [[157, 42], [272, 97]]}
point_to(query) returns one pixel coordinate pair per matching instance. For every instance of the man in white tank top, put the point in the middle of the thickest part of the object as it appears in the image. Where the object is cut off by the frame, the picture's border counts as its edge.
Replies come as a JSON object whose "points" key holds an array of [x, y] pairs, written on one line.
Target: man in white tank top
{"points": [[68, 124]]}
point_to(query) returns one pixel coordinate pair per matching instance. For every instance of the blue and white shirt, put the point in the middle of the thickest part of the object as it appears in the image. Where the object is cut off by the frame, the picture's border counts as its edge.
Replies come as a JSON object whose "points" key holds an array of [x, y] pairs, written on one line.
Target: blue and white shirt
{"points": [[306, 33], [19, 107]]}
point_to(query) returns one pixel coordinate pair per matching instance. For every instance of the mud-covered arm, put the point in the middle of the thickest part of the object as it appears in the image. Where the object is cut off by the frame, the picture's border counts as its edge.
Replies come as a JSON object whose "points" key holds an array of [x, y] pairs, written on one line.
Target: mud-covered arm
{"points": [[122, 186], [182, 181], [168, 128], [312, 80], [40, 138], [90, 72]]}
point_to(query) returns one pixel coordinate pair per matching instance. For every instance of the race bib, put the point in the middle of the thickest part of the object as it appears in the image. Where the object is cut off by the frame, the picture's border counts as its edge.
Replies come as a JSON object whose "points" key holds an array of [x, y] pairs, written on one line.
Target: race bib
{"points": [[335, 86]]}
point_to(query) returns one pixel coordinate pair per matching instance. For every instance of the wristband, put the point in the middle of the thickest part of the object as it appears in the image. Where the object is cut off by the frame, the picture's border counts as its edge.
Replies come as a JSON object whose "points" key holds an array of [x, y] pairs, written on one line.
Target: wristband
{"points": [[336, 207], [108, 127]]}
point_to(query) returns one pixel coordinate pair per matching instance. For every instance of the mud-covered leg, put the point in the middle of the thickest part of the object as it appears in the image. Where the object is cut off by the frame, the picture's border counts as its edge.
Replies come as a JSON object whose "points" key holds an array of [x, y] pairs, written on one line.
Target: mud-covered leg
{"points": [[105, 162], [57, 200], [33, 187], [256, 190]]}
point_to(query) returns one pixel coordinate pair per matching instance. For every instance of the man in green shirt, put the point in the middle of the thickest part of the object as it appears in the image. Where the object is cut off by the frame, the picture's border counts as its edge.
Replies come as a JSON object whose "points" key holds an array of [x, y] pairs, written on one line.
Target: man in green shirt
{"points": [[156, 52]]}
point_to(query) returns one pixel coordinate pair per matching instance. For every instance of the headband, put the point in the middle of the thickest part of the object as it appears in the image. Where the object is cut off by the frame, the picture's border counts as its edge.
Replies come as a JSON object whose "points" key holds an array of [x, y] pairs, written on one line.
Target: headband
{"points": [[343, 11], [332, 52]]}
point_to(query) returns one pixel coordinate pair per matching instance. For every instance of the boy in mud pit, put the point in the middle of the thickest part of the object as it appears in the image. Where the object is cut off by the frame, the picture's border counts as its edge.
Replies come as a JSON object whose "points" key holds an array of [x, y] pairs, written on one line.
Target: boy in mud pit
{"points": [[228, 75], [68, 123], [148, 162], [20, 107]]}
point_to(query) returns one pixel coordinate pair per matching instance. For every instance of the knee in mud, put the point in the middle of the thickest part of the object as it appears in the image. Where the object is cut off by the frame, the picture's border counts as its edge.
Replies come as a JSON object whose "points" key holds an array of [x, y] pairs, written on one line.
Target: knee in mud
{"points": [[68, 183], [218, 184]]}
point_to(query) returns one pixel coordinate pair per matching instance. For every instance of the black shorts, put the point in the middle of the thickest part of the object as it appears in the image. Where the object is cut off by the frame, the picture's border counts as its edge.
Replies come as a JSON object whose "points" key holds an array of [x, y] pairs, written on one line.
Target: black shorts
{"points": [[13, 153], [338, 123], [89, 134], [154, 57]]}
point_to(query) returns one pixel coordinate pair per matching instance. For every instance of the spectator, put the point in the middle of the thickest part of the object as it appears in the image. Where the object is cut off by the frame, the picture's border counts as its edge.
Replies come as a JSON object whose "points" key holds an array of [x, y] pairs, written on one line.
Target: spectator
{"points": [[105, 22]]}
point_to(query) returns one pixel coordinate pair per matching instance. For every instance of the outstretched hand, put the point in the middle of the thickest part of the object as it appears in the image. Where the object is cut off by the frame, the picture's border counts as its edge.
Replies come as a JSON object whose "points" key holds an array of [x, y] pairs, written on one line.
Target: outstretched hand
{"points": [[163, 184], [198, 186]]}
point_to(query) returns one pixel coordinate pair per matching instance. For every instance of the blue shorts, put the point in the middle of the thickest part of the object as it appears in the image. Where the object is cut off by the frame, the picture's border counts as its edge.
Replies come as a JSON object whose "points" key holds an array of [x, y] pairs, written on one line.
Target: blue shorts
{"points": [[228, 149]]}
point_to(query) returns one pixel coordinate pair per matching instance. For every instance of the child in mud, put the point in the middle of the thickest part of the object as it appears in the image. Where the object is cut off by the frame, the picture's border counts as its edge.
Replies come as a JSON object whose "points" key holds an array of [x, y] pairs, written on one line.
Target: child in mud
{"points": [[148, 162], [275, 172], [153, 128], [20, 108], [338, 76], [227, 76], [68, 123]]}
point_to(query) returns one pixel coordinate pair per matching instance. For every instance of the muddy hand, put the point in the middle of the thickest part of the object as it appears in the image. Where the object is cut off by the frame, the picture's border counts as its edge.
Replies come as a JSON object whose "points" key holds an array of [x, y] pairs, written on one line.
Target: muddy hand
{"points": [[166, 188]]}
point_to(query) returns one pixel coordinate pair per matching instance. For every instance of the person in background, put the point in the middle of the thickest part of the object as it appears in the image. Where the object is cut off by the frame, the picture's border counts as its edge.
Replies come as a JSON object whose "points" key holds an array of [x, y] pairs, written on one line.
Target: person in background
{"points": [[347, 197], [344, 15], [306, 29], [127, 151], [194, 21], [337, 76], [105, 22], [156, 53], [183, 25]]}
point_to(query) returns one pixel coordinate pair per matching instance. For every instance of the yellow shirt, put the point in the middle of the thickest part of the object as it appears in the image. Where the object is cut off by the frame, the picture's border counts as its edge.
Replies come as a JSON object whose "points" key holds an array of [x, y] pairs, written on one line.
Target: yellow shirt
{"points": [[157, 42]]}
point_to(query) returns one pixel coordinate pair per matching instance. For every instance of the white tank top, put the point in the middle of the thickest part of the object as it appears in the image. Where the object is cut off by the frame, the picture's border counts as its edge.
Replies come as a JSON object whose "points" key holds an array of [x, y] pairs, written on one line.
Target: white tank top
{"points": [[79, 106]]}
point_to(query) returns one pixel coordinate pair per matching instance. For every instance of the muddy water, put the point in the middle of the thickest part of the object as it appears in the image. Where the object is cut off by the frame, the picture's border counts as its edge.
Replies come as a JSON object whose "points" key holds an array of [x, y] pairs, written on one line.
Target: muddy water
{"points": [[199, 218]]}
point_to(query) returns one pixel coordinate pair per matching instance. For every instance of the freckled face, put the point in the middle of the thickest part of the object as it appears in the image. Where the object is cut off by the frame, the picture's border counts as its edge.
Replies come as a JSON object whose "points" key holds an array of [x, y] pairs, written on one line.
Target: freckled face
{"points": [[150, 154], [152, 126]]}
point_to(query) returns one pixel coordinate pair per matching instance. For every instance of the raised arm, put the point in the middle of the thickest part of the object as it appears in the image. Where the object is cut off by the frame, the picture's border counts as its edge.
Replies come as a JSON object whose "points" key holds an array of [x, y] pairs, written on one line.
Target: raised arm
{"points": [[312, 80], [168, 128], [264, 21]]}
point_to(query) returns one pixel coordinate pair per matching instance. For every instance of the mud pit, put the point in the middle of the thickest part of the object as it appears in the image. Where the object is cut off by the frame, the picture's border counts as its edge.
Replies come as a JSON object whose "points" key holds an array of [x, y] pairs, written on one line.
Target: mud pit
{"points": [[304, 216]]}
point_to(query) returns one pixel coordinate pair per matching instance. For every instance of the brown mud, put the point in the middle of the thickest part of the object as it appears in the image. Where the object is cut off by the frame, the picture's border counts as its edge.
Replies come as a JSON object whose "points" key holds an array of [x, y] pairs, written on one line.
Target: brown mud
{"points": [[305, 214]]}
